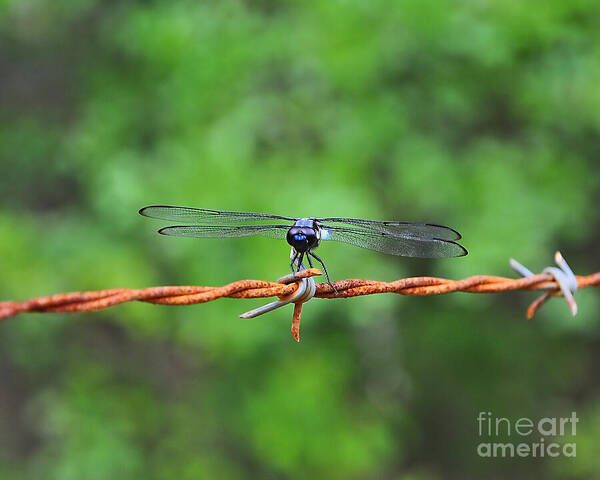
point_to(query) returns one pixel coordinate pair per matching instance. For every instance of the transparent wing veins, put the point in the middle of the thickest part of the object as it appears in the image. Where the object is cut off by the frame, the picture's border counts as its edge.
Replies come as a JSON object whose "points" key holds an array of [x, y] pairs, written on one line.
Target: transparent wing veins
{"points": [[205, 216], [394, 244], [425, 230], [225, 231]]}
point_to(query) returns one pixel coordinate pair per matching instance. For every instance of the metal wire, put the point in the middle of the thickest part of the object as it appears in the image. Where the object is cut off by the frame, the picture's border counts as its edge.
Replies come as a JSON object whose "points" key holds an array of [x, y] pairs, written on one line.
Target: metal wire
{"points": [[549, 281]]}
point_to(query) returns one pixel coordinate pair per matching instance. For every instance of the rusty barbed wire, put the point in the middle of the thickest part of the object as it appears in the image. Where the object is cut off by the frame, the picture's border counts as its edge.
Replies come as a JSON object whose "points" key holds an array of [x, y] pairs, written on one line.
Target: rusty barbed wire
{"points": [[549, 281]]}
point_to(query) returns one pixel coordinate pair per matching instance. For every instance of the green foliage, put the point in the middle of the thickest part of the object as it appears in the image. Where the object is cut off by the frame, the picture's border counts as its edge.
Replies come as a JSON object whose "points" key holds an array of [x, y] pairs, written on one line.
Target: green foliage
{"points": [[483, 116]]}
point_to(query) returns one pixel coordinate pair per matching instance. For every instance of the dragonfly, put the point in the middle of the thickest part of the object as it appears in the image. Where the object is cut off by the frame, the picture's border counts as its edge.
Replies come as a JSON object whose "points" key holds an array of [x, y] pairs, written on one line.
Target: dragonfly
{"points": [[304, 235]]}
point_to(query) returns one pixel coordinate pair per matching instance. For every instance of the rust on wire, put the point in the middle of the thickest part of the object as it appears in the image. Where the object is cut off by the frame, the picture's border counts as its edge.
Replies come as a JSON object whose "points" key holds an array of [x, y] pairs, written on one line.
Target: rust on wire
{"points": [[552, 282]]}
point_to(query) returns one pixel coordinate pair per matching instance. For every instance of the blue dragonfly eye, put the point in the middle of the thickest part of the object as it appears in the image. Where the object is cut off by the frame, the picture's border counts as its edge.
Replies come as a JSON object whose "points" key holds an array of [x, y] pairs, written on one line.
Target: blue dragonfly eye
{"points": [[299, 237]]}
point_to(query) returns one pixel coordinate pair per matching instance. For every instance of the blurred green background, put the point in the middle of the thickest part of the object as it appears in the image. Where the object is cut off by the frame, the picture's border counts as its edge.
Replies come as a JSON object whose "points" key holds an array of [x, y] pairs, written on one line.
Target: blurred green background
{"points": [[481, 115]]}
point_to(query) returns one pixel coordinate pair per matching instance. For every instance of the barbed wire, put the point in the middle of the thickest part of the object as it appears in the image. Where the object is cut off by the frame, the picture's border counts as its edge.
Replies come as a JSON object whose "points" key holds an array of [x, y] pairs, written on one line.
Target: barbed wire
{"points": [[299, 287]]}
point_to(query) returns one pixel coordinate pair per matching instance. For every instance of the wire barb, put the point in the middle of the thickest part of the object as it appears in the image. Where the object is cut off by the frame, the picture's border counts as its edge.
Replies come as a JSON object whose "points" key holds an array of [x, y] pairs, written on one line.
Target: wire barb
{"points": [[297, 289], [564, 277], [305, 291]]}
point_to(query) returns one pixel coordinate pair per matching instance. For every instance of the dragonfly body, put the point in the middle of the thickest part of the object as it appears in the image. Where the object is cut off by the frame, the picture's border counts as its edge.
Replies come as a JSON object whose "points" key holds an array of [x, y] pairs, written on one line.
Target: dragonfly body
{"points": [[304, 235], [424, 240]]}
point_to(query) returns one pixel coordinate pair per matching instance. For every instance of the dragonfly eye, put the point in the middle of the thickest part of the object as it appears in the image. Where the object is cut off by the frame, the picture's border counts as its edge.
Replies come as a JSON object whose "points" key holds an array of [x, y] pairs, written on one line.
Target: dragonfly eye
{"points": [[300, 238]]}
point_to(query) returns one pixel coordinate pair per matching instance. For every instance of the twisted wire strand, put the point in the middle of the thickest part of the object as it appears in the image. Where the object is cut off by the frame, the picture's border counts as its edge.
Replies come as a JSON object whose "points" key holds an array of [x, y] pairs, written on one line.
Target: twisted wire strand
{"points": [[189, 295]]}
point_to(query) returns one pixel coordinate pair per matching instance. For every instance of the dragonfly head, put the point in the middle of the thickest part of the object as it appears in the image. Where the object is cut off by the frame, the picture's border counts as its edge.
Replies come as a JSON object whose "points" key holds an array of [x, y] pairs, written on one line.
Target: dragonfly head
{"points": [[302, 238]]}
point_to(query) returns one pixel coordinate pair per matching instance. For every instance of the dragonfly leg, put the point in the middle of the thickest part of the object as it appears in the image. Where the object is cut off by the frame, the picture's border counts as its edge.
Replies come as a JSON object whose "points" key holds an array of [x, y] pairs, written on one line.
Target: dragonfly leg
{"points": [[318, 259], [294, 261], [309, 260], [300, 266]]}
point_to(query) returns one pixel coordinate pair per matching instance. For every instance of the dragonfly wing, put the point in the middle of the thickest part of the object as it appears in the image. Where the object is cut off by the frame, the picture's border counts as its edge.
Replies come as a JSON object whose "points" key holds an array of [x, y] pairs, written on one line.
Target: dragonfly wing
{"points": [[204, 216], [425, 230], [226, 231], [403, 245]]}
